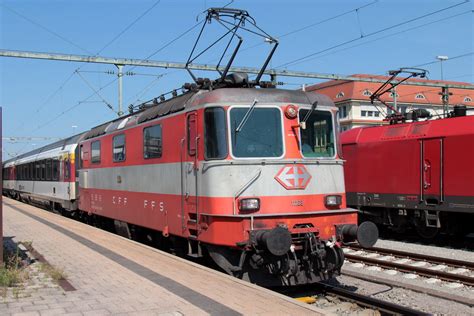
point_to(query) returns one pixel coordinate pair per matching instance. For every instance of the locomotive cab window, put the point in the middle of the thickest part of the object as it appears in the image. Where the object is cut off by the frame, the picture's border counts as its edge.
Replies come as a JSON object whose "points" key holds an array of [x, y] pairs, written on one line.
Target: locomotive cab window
{"points": [[119, 148], [317, 140], [152, 142], [95, 152], [215, 133], [192, 134], [260, 135]]}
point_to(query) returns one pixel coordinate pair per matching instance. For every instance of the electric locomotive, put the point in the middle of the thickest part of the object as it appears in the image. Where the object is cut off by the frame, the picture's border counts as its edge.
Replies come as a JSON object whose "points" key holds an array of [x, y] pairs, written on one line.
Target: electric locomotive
{"points": [[412, 175], [233, 168], [252, 177]]}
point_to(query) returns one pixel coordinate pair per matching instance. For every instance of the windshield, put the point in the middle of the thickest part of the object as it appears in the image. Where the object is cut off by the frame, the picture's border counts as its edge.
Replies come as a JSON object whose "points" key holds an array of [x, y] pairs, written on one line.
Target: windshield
{"points": [[260, 136], [317, 140]]}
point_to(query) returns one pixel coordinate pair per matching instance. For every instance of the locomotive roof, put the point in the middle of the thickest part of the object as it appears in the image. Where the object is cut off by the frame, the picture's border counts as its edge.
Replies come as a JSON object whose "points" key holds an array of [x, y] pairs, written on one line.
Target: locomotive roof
{"points": [[424, 129], [191, 99], [248, 95], [223, 96]]}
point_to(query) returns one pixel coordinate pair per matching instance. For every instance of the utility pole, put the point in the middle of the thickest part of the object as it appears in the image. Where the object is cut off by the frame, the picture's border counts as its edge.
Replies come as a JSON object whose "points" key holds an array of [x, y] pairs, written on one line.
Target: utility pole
{"points": [[441, 59], [445, 97], [395, 101], [1, 189], [120, 88]]}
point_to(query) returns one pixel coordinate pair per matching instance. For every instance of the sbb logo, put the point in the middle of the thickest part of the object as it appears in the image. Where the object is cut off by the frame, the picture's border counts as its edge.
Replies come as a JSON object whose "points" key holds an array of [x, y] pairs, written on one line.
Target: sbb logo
{"points": [[293, 177]]}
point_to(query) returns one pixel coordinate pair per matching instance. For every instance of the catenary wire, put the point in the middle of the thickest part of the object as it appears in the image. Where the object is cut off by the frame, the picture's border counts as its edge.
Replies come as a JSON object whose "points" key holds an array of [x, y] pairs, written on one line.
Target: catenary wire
{"points": [[128, 27], [391, 35], [307, 27], [76, 71], [304, 58], [45, 28]]}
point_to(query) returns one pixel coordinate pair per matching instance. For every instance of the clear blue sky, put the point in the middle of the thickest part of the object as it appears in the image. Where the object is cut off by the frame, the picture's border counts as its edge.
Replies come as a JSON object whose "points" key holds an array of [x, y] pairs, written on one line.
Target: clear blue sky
{"points": [[33, 96]]}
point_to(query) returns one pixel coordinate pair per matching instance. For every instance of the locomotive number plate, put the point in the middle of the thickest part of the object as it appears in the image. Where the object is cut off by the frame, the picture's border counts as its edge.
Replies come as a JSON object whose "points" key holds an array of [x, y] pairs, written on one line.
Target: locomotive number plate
{"points": [[296, 202]]}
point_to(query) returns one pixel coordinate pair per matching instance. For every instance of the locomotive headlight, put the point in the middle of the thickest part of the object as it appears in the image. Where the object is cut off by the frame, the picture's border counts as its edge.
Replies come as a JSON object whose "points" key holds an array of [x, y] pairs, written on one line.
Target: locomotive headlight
{"points": [[249, 205], [333, 200], [291, 112]]}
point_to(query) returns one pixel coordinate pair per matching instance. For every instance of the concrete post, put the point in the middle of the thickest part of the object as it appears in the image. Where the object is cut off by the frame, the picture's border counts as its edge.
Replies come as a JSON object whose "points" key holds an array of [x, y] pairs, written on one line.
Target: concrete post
{"points": [[120, 87], [1, 190]]}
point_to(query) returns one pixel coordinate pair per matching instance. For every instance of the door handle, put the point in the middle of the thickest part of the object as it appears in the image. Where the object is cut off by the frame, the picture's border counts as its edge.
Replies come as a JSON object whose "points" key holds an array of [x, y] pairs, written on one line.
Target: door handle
{"points": [[427, 174]]}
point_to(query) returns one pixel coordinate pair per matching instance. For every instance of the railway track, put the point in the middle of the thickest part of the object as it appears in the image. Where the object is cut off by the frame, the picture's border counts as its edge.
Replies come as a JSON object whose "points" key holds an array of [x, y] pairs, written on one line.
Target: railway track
{"points": [[322, 291], [384, 307], [445, 269]]}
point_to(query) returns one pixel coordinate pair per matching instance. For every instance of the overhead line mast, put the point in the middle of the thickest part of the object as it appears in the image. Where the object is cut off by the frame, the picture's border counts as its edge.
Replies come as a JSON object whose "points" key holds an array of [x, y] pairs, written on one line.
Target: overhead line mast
{"points": [[251, 70]]}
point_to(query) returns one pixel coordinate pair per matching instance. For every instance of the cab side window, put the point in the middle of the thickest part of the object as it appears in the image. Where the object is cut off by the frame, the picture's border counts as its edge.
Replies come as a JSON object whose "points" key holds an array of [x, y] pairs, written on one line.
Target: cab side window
{"points": [[95, 152], [152, 142], [119, 148]]}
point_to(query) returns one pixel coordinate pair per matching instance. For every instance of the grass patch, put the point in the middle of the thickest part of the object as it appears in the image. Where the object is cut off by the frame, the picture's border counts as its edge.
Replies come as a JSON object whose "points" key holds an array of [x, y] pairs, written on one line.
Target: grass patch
{"points": [[56, 274], [12, 272], [27, 243]]}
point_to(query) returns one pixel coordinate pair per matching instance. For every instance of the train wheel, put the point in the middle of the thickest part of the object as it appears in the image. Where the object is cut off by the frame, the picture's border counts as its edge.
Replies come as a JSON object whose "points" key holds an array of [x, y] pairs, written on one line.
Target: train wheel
{"points": [[426, 232], [334, 258]]}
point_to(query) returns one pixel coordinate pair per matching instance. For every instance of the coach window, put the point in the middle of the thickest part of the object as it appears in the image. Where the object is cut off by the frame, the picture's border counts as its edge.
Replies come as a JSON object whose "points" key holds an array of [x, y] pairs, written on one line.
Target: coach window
{"points": [[37, 170], [43, 169], [67, 169], [48, 170], [152, 142], [119, 148], [215, 133], [95, 150], [55, 166]]}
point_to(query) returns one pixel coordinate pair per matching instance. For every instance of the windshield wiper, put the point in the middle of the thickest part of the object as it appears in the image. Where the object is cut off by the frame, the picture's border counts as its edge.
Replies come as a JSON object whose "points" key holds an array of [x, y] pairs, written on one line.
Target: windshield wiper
{"points": [[306, 117], [246, 116]]}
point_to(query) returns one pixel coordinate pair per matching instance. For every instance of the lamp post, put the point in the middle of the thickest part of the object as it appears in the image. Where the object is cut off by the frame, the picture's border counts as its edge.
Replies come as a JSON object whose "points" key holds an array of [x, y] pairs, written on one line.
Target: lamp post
{"points": [[442, 58]]}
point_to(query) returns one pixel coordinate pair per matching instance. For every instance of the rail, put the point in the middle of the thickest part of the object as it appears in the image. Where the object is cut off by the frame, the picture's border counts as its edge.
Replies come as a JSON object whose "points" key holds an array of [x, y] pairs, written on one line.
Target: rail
{"points": [[409, 267]]}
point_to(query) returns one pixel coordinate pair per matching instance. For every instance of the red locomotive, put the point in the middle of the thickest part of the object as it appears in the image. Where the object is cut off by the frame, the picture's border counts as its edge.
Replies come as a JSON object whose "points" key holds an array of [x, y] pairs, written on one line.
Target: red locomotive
{"points": [[251, 176], [413, 174], [232, 172]]}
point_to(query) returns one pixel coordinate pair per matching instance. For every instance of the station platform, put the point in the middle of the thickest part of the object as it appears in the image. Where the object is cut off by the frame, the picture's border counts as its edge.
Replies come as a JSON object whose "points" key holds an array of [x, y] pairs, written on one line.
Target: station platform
{"points": [[110, 274]]}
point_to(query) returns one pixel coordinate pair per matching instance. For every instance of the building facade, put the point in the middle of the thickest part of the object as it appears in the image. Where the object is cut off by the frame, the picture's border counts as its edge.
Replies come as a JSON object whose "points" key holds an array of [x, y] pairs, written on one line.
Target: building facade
{"points": [[355, 109]]}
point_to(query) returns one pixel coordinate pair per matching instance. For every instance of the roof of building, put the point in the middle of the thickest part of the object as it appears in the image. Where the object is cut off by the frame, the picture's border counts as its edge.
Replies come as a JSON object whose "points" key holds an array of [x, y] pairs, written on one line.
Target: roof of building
{"points": [[340, 90]]}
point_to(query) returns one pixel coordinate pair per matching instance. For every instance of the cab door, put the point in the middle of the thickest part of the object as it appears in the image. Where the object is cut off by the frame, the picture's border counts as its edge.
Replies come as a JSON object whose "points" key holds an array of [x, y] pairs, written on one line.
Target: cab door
{"points": [[432, 171], [189, 175]]}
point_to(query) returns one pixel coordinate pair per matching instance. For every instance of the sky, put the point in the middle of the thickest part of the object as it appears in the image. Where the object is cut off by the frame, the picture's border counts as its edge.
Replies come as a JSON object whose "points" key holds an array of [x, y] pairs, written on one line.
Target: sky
{"points": [[56, 99]]}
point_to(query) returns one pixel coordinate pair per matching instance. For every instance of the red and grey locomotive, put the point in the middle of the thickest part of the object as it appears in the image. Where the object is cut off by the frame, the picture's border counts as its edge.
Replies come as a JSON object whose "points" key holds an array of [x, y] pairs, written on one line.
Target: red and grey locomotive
{"points": [[250, 176]]}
